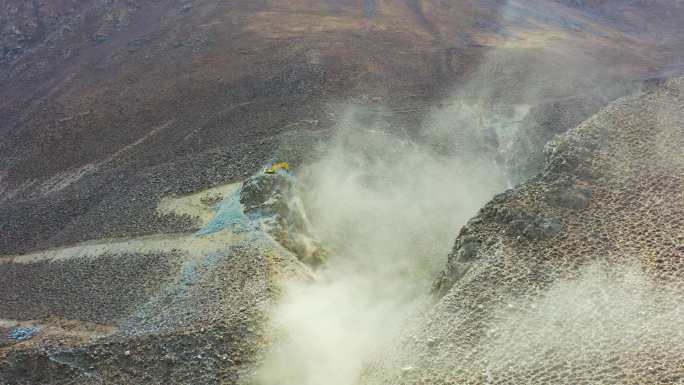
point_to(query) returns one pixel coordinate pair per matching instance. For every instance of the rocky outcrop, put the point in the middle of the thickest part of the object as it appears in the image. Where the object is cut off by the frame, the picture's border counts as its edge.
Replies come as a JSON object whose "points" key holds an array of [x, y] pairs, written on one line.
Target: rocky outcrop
{"points": [[271, 199]]}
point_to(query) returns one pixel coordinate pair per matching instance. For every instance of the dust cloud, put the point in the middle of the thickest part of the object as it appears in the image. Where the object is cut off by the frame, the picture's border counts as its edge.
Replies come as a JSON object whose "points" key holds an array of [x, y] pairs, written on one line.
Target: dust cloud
{"points": [[387, 207], [604, 312], [387, 203]]}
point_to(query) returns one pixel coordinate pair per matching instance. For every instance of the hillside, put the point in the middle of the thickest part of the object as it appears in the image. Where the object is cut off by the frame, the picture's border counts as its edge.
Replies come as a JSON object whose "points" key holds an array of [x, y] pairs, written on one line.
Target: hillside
{"points": [[108, 106], [573, 276]]}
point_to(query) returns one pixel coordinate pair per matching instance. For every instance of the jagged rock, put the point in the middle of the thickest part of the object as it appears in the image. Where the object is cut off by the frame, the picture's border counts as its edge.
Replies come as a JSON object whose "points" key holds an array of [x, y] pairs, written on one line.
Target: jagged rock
{"points": [[271, 200], [511, 214], [572, 198], [542, 228], [468, 250], [521, 224], [266, 193]]}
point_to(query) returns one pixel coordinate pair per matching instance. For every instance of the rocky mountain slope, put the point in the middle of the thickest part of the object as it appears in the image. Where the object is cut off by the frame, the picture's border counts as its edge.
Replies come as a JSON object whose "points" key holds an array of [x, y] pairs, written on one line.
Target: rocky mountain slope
{"points": [[154, 310], [574, 276], [106, 106]]}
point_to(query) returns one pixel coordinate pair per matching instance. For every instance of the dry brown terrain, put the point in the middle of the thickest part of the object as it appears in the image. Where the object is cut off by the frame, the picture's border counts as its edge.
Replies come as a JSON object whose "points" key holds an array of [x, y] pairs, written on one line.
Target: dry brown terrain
{"points": [[107, 106]]}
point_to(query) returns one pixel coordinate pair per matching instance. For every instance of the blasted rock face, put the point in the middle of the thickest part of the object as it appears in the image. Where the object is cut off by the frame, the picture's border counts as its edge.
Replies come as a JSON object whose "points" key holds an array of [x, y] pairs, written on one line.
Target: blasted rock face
{"points": [[272, 201]]}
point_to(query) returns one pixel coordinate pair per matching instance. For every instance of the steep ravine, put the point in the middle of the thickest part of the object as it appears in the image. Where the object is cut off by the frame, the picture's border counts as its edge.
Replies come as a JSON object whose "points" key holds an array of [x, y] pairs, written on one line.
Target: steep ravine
{"points": [[386, 209]]}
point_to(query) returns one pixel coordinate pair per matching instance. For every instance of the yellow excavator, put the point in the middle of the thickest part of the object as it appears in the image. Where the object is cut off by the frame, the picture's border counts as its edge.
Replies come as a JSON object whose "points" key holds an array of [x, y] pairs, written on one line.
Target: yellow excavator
{"points": [[277, 166]]}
